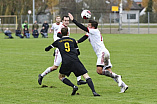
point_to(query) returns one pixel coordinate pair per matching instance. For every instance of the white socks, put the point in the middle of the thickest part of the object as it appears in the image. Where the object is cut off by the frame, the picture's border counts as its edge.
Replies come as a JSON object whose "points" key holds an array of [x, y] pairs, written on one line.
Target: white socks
{"points": [[48, 70], [123, 84], [115, 79], [78, 78], [114, 74]]}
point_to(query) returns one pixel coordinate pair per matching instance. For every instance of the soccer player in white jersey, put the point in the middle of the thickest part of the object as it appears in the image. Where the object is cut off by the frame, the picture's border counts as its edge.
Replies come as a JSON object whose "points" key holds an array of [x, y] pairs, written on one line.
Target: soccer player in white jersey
{"points": [[58, 58], [103, 56], [55, 27]]}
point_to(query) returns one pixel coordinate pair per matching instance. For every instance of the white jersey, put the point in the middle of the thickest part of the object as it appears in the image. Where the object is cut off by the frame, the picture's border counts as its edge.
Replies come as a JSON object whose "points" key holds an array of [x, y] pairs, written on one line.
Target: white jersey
{"points": [[58, 58], [55, 28], [63, 26], [96, 40]]}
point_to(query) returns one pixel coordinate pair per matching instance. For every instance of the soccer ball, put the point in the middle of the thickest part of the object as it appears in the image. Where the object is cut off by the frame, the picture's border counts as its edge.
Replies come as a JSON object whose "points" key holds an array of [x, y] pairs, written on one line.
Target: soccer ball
{"points": [[86, 14]]}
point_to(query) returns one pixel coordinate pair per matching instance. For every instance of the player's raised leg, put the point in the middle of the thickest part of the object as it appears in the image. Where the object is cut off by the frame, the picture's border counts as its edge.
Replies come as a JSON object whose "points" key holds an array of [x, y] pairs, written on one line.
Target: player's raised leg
{"points": [[48, 70], [57, 61], [104, 67], [107, 72]]}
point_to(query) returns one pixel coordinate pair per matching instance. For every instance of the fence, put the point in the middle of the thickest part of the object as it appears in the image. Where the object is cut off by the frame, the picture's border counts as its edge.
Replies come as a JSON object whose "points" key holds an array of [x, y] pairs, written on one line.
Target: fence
{"points": [[132, 23]]}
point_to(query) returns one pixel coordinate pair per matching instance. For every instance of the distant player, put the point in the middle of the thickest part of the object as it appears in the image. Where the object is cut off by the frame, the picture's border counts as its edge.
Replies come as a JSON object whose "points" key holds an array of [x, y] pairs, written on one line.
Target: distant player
{"points": [[58, 58], [70, 61], [55, 27], [103, 56]]}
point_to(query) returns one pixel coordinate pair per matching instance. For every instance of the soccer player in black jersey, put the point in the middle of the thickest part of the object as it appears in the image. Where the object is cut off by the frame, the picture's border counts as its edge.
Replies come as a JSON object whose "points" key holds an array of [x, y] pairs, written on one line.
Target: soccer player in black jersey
{"points": [[70, 61]]}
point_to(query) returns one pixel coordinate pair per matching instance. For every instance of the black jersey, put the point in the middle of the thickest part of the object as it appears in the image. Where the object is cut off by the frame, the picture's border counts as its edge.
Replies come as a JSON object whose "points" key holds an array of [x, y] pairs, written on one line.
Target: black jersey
{"points": [[70, 61], [68, 49]]}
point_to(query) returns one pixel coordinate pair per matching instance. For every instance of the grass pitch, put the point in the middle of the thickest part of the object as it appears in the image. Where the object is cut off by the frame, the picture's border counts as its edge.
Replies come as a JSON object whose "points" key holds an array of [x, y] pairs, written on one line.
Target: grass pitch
{"points": [[132, 56]]}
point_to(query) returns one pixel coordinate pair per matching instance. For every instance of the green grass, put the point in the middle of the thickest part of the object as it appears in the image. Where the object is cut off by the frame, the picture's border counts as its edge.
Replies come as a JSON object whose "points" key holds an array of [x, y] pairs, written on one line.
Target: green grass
{"points": [[132, 56]]}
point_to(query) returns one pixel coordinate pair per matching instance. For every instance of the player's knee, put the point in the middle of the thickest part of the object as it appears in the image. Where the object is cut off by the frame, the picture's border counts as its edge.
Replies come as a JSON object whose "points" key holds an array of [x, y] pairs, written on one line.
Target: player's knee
{"points": [[86, 76], [107, 56], [54, 67], [99, 71], [61, 77]]}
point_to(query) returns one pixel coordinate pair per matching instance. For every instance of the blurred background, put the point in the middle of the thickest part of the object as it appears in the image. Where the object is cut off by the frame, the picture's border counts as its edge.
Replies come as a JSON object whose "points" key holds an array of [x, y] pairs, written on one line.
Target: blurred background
{"points": [[114, 16]]}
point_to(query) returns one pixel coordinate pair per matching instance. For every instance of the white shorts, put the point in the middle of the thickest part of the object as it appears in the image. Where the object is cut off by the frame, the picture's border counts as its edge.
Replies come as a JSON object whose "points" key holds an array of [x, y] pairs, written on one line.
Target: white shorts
{"points": [[58, 58], [104, 59]]}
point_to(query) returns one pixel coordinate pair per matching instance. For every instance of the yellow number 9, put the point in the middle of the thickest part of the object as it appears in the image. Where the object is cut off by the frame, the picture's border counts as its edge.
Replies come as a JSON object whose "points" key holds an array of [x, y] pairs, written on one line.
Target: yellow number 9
{"points": [[67, 46]]}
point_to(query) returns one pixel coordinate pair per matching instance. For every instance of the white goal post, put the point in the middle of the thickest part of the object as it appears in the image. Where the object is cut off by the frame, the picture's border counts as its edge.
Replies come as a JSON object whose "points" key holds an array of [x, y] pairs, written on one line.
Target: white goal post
{"points": [[9, 21]]}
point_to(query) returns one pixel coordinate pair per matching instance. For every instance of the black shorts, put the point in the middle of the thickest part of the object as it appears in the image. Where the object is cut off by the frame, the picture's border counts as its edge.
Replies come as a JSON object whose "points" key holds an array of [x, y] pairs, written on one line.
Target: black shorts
{"points": [[75, 66]]}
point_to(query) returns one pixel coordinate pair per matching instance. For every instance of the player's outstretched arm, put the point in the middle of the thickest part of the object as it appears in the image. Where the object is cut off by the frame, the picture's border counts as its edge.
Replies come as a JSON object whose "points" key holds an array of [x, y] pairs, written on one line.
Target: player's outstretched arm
{"points": [[54, 44], [78, 24], [82, 39], [48, 48]]}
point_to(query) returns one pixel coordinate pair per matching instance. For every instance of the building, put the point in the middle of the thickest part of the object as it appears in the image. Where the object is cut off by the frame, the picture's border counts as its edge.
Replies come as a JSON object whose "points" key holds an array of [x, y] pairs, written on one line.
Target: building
{"points": [[138, 2], [131, 15]]}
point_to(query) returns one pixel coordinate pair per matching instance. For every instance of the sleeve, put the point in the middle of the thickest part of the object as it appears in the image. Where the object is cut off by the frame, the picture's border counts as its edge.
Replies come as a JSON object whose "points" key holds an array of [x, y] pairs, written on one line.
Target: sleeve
{"points": [[80, 26], [54, 44], [69, 31], [83, 38], [76, 46]]}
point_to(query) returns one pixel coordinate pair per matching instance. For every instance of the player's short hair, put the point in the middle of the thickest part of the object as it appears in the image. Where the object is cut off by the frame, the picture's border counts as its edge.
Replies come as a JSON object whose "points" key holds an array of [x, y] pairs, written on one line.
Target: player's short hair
{"points": [[65, 17], [94, 23], [64, 31]]}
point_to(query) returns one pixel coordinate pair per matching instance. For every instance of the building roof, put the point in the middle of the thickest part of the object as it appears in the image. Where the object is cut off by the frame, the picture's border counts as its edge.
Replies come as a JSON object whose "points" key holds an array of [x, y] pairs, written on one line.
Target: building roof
{"points": [[134, 6], [137, 0]]}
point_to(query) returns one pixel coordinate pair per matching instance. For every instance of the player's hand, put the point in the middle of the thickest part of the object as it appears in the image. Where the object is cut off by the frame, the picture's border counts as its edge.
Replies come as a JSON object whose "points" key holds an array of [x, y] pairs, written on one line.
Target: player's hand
{"points": [[48, 48], [70, 16]]}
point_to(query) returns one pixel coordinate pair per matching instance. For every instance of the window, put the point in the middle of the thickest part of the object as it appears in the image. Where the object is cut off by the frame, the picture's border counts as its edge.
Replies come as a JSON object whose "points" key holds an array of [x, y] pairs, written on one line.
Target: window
{"points": [[132, 16]]}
